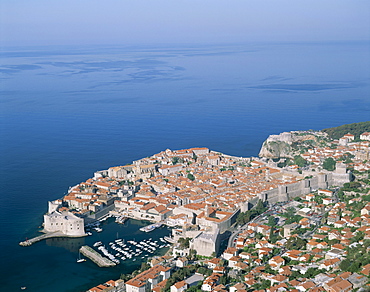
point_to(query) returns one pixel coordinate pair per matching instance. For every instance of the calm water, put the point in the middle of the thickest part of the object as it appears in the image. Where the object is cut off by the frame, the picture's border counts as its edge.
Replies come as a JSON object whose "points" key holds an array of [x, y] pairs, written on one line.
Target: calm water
{"points": [[66, 112]]}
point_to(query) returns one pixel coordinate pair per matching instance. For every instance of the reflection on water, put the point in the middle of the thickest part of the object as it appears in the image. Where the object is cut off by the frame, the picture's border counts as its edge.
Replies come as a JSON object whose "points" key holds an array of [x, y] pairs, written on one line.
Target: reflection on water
{"points": [[70, 244]]}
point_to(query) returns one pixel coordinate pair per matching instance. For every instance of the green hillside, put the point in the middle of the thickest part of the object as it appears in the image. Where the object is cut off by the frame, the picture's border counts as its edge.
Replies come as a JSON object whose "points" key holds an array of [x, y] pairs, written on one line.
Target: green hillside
{"points": [[355, 129]]}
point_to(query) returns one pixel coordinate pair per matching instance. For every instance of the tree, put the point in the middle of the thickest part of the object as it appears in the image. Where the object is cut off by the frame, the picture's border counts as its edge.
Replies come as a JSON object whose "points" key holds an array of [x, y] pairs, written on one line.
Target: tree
{"points": [[258, 235], [358, 237], [345, 264], [290, 211], [351, 186], [184, 242], [296, 243], [300, 161], [355, 129], [203, 271], [271, 221], [192, 254], [329, 164], [196, 288], [312, 272], [269, 270], [260, 207], [178, 276], [190, 176], [274, 236], [354, 267], [175, 160]]}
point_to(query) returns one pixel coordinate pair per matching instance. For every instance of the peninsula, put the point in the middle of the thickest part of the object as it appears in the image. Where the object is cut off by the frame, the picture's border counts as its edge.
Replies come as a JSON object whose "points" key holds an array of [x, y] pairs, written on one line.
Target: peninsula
{"points": [[278, 213]]}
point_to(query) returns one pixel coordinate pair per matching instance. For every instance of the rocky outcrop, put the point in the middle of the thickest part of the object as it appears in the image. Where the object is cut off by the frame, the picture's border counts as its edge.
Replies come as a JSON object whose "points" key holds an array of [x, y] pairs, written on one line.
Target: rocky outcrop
{"points": [[282, 145], [275, 149]]}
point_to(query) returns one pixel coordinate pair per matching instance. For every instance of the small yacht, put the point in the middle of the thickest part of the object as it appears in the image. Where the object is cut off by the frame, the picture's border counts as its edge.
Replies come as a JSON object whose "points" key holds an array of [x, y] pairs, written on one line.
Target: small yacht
{"points": [[80, 260]]}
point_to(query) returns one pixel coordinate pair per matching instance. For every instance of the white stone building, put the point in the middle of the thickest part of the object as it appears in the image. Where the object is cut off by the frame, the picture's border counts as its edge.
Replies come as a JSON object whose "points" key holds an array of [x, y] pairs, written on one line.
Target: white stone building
{"points": [[64, 222]]}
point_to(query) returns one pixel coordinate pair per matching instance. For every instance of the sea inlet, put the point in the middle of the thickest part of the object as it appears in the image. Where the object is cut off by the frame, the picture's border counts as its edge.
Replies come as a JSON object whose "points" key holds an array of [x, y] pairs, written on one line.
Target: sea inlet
{"points": [[59, 257]]}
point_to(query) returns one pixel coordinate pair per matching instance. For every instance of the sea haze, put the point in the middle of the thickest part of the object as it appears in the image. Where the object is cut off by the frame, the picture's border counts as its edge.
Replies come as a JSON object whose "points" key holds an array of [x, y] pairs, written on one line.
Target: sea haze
{"points": [[67, 112]]}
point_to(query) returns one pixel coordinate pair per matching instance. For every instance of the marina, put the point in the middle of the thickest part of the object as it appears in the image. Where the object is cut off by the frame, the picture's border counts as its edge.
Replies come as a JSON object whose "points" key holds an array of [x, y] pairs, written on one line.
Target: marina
{"points": [[118, 250], [63, 253]]}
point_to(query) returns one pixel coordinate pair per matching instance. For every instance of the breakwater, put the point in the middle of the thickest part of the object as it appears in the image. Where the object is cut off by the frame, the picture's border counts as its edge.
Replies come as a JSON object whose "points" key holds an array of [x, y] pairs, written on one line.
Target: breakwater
{"points": [[31, 241], [101, 261]]}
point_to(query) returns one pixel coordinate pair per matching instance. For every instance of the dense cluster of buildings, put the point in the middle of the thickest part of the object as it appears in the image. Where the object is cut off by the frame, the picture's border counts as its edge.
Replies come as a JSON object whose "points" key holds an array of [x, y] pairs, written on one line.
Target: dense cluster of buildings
{"points": [[201, 192]]}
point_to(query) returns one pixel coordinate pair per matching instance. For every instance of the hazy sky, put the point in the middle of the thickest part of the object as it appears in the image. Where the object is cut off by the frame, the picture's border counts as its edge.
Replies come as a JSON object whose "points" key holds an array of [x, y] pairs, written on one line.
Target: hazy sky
{"points": [[43, 22]]}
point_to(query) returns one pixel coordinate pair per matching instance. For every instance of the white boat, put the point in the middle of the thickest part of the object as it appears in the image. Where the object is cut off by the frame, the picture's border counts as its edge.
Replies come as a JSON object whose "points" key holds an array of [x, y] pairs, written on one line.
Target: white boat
{"points": [[148, 228], [80, 260]]}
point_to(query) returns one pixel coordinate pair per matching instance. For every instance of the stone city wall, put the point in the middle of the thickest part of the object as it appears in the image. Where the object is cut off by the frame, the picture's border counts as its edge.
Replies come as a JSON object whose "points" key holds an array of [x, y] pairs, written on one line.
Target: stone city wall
{"points": [[287, 192]]}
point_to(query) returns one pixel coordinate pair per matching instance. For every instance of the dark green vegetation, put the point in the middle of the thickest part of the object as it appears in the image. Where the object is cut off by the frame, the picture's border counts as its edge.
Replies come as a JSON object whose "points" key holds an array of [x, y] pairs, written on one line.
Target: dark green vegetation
{"points": [[329, 164], [296, 243], [179, 275], [355, 129], [291, 216], [245, 217], [297, 160], [190, 176], [184, 242], [357, 257]]}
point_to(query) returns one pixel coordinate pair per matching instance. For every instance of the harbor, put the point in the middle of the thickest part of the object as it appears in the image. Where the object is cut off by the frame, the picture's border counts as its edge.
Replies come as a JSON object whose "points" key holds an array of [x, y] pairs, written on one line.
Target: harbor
{"points": [[60, 254], [120, 250], [94, 226]]}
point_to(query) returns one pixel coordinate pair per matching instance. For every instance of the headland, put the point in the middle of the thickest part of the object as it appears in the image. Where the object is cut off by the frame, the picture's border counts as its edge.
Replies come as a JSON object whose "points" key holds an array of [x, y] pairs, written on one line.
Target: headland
{"points": [[209, 197]]}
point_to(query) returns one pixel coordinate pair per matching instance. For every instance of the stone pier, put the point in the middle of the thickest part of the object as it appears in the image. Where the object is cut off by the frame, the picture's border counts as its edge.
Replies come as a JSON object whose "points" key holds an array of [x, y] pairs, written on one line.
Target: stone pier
{"points": [[47, 235], [31, 241], [98, 259]]}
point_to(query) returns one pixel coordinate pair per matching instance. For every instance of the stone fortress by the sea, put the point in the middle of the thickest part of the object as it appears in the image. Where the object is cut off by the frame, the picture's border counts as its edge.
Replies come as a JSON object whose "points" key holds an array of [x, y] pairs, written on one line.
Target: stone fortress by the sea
{"points": [[200, 190]]}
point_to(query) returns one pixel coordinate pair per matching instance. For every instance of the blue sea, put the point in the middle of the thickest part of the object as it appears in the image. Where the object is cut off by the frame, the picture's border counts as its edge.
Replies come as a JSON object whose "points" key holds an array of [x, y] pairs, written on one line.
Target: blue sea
{"points": [[66, 112]]}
